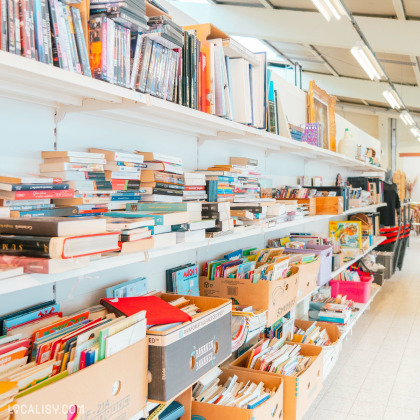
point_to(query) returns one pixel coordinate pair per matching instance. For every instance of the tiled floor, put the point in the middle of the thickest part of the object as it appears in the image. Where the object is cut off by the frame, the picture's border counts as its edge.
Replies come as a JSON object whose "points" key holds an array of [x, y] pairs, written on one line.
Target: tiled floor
{"points": [[378, 373]]}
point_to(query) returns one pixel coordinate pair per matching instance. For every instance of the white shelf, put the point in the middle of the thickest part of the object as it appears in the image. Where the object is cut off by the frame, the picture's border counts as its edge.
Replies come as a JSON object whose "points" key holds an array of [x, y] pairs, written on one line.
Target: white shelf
{"points": [[359, 257], [39, 83], [362, 309], [111, 261]]}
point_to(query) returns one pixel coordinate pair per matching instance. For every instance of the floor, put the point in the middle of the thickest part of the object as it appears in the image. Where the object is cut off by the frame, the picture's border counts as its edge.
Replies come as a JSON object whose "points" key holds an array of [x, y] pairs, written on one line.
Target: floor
{"points": [[378, 373]]}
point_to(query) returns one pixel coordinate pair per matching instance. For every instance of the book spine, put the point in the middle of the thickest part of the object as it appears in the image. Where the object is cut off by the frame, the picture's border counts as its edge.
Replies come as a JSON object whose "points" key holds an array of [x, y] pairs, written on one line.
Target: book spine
{"points": [[80, 40], [4, 25], [144, 65], [39, 194], [39, 40], [58, 212], [46, 34], [65, 32], [136, 62], [23, 14], [37, 187], [25, 246], [55, 37], [18, 46], [72, 38], [11, 26]]}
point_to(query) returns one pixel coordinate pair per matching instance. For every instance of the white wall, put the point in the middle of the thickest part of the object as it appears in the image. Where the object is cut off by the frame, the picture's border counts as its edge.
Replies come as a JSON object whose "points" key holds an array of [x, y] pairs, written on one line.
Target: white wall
{"points": [[27, 129], [368, 123]]}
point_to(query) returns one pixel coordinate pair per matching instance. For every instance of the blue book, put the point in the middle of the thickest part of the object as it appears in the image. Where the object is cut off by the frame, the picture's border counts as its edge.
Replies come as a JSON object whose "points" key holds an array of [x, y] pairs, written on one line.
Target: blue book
{"points": [[29, 316], [90, 358], [184, 281], [173, 412], [235, 255], [159, 207], [131, 288]]}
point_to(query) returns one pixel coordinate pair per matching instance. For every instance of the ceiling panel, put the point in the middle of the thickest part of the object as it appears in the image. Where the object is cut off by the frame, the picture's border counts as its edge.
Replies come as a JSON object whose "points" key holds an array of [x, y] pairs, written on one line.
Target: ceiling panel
{"points": [[359, 7], [412, 8], [399, 68], [343, 100]]}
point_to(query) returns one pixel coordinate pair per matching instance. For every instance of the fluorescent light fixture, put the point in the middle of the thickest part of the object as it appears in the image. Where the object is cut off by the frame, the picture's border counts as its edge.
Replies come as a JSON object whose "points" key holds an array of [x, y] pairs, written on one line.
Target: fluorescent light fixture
{"points": [[415, 131], [330, 9], [407, 118], [392, 98], [367, 61]]}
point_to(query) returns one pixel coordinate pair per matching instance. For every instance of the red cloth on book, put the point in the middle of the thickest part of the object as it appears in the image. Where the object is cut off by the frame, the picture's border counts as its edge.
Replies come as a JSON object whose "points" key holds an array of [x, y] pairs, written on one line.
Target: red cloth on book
{"points": [[158, 311]]}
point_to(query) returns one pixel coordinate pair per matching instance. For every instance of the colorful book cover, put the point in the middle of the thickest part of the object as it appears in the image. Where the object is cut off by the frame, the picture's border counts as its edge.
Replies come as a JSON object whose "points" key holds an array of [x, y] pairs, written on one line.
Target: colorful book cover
{"points": [[347, 233], [185, 281]]}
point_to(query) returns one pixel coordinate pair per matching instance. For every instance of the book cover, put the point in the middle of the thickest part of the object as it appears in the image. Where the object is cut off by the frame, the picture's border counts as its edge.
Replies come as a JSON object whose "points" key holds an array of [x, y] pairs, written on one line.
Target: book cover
{"points": [[347, 233]]}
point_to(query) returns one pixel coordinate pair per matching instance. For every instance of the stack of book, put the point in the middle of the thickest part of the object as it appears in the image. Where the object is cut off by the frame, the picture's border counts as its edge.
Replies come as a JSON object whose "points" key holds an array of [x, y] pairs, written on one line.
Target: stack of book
{"points": [[276, 356], [55, 237], [220, 213], [85, 173], [130, 230], [30, 196], [195, 186], [260, 212], [313, 335], [162, 179], [164, 29], [48, 31], [247, 323], [338, 313], [122, 173]]}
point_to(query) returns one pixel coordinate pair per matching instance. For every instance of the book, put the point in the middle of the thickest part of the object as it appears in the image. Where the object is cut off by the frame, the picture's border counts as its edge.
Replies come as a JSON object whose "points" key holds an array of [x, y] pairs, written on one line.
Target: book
{"points": [[32, 187], [161, 198], [173, 218], [165, 207], [54, 226], [120, 224], [166, 167], [118, 155], [131, 288], [57, 212], [7, 272], [183, 280], [137, 246], [28, 179], [58, 247]]}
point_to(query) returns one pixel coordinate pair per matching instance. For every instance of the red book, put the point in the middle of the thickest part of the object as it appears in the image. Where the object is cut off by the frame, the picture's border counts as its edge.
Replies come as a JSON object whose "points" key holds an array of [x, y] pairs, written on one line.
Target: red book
{"points": [[158, 311], [203, 68], [195, 188], [6, 348], [36, 195], [83, 359]]}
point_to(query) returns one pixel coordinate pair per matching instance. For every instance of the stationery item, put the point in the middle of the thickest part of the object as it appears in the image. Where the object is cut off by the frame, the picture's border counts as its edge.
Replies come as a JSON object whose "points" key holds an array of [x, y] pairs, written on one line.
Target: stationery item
{"points": [[158, 311]]}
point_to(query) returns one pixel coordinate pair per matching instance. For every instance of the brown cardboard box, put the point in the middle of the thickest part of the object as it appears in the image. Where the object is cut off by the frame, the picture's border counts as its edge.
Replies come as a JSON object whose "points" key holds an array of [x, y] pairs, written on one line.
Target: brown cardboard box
{"points": [[330, 352], [114, 388], [329, 205], [180, 356], [272, 408], [185, 399], [308, 274], [299, 392], [277, 297]]}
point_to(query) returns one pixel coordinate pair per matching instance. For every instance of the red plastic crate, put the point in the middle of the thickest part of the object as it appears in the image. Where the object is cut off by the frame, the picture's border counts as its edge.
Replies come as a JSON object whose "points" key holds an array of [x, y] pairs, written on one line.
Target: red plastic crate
{"points": [[354, 290]]}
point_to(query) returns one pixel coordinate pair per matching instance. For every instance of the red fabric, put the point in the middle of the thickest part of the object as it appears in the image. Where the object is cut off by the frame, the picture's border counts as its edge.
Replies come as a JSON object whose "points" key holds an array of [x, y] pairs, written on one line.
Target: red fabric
{"points": [[158, 311]]}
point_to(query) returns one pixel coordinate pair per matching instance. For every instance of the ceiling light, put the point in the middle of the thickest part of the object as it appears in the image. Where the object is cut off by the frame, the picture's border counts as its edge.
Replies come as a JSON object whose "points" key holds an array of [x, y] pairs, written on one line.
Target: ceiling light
{"points": [[392, 98], [415, 131], [368, 61], [330, 8], [407, 118]]}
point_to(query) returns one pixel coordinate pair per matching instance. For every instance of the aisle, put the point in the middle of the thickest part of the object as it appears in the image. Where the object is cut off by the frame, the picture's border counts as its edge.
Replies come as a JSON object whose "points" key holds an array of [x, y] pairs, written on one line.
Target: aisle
{"points": [[378, 373]]}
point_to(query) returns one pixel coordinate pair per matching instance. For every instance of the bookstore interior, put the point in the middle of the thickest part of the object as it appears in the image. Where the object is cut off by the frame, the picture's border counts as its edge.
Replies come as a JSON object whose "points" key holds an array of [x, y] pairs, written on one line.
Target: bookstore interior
{"points": [[209, 210]]}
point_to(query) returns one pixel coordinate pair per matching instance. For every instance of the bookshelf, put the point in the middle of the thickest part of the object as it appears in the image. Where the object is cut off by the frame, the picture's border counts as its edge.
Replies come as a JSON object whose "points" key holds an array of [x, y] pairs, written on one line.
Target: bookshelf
{"points": [[29, 281], [66, 92]]}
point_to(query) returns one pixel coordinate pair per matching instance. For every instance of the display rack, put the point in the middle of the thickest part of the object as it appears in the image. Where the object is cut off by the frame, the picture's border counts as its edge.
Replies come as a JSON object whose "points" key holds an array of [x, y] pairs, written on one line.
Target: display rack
{"points": [[111, 261], [67, 92]]}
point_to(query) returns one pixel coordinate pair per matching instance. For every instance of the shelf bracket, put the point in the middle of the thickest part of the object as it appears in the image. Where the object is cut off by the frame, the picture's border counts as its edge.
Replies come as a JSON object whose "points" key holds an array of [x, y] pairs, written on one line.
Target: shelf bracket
{"points": [[201, 140], [59, 114]]}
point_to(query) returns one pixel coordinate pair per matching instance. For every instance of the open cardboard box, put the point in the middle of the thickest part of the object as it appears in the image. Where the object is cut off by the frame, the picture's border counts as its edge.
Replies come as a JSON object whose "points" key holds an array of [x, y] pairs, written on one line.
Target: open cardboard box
{"points": [[114, 388], [180, 356], [308, 275], [330, 352], [299, 392], [270, 409], [277, 297]]}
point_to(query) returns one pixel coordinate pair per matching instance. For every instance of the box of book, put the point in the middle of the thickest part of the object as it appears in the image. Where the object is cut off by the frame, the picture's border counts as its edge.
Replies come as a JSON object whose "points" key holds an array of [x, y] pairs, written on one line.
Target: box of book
{"points": [[179, 356], [309, 202], [244, 409], [277, 297], [308, 275], [329, 205], [115, 387], [331, 347], [299, 389]]}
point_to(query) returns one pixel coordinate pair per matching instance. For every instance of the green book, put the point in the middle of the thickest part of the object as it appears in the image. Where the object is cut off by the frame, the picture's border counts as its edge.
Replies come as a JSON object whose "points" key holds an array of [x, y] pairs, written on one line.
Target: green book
{"points": [[42, 384]]}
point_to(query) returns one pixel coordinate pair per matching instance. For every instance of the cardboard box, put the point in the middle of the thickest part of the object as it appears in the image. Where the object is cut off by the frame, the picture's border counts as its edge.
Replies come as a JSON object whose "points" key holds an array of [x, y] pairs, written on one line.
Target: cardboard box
{"points": [[330, 352], [298, 392], [272, 408], [277, 297], [180, 356], [329, 205], [185, 399], [308, 274], [114, 388]]}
